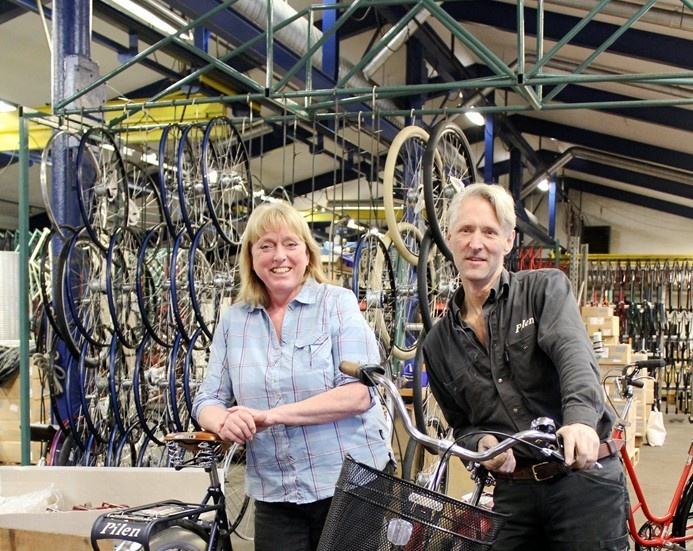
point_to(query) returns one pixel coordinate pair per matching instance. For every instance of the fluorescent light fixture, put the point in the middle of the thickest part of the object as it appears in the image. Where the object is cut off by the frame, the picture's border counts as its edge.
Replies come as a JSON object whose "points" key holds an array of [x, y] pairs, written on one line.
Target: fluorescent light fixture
{"points": [[476, 117], [543, 185], [148, 17], [7, 107]]}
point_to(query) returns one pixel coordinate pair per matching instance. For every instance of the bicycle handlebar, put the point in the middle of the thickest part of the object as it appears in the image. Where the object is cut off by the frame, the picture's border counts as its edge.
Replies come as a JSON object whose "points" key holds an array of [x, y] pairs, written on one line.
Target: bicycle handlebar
{"points": [[636, 366], [374, 375]]}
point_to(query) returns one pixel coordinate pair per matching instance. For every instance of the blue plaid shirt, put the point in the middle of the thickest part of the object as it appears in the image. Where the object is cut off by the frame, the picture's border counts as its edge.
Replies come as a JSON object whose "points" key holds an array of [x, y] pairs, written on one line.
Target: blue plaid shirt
{"points": [[322, 327]]}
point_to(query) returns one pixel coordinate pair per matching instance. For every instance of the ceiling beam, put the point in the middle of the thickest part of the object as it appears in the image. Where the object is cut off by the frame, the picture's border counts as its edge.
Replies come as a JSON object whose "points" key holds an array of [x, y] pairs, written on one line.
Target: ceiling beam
{"points": [[628, 197]]}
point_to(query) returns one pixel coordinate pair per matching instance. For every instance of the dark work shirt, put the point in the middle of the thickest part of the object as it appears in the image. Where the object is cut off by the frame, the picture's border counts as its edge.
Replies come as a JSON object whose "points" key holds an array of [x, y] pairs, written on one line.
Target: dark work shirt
{"points": [[539, 361]]}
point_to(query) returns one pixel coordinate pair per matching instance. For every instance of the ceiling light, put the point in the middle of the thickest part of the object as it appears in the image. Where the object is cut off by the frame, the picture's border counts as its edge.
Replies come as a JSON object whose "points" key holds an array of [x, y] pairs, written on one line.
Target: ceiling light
{"points": [[543, 185], [476, 117], [7, 107], [148, 17]]}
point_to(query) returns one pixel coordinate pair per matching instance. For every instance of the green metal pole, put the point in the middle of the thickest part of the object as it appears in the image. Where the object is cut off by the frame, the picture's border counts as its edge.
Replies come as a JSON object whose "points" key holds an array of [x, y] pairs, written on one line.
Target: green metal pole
{"points": [[24, 418]]}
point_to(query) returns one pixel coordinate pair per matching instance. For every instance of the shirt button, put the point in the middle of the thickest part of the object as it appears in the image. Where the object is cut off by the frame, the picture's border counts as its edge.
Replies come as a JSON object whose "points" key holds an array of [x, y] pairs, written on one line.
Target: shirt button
{"points": [[515, 410], [500, 379]]}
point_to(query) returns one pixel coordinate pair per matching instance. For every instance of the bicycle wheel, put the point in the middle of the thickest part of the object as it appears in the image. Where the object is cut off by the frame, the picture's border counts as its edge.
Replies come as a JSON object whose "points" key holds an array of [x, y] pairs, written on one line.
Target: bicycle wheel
{"points": [[60, 152], [437, 281], [213, 276], [146, 209], [448, 166], [196, 361], [168, 177], [96, 399], [178, 408], [237, 501], [120, 383], [153, 284], [101, 185], [150, 389], [82, 269], [422, 467], [407, 322], [191, 193], [683, 518], [373, 283], [227, 179], [403, 183], [181, 299], [178, 538], [121, 286]]}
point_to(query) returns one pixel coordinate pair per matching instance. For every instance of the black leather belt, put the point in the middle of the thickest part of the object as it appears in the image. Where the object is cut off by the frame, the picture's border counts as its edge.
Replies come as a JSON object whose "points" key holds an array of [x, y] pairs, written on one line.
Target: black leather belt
{"points": [[553, 470]]}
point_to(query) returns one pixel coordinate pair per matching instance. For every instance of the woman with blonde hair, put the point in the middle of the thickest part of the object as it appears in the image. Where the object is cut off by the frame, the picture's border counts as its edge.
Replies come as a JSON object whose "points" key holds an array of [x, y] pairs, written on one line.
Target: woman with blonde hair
{"points": [[275, 355]]}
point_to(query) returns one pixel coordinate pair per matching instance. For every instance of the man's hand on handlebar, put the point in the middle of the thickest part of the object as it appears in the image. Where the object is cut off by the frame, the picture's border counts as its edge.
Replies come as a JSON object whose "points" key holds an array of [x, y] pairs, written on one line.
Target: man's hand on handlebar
{"points": [[502, 463], [580, 445]]}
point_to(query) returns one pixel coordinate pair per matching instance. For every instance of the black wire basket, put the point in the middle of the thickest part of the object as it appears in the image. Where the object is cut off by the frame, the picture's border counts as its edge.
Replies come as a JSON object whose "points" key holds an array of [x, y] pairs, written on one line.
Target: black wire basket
{"points": [[373, 511]]}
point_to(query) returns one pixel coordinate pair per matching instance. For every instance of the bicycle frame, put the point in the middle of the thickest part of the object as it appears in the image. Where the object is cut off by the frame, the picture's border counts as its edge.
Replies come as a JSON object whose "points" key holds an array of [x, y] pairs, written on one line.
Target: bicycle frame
{"points": [[141, 523], [661, 524]]}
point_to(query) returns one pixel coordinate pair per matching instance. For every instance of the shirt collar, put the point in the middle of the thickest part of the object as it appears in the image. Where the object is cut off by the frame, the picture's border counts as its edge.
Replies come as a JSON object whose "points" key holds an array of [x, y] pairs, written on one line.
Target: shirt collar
{"points": [[499, 291], [307, 295]]}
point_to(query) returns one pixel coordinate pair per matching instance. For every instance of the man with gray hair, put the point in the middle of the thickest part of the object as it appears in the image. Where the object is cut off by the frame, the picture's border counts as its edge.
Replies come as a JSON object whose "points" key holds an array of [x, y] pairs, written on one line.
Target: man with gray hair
{"points": [[512, 348]]}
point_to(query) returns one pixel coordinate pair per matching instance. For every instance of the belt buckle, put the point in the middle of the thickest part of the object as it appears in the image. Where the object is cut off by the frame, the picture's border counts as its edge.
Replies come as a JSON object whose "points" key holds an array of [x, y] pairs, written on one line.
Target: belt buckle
{"points": [[537, 476]]}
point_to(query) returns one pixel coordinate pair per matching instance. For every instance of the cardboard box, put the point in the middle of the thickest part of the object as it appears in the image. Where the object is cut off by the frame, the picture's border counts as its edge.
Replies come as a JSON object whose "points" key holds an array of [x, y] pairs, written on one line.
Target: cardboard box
{"points": [[11, 452], [608, 327], [617, 354], [597, 312]]}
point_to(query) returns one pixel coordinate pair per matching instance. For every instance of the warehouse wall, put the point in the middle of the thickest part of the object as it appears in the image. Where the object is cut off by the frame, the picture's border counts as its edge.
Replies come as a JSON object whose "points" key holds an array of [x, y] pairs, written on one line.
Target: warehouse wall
{"points": [[634, 230]]}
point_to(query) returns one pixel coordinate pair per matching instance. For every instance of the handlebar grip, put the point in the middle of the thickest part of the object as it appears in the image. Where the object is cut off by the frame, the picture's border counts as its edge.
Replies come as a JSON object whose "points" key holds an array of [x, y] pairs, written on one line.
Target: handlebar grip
{"points": [[647, 364], [349, 368], [362, 372], [637, 383]]}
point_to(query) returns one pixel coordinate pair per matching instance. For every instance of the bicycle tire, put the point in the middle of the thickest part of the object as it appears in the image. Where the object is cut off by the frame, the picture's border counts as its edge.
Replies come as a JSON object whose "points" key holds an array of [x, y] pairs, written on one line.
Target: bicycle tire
{"points": [[121, 287], [214, 279], [237, 502], [153, 285], [191, 195], [373, 283], [181, 298], [96, 398], [406, 150], [150, 388], [436, 282], [196, 360], [681, 525], [449, 166], [102, 192], [120, 383], [178, 538], [177, 407], [48, 160], [168, 179], [81, 269], [407, 323], [227, 178]]}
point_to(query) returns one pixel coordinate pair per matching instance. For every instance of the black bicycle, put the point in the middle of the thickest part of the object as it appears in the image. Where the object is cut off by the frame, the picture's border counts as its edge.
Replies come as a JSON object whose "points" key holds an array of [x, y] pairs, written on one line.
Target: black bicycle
{"points": [[172, 524]]}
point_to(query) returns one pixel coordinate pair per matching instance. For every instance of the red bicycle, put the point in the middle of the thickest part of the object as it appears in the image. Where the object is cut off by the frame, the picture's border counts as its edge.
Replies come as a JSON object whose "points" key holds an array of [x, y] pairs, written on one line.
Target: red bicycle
{"points": [[674, 529]]}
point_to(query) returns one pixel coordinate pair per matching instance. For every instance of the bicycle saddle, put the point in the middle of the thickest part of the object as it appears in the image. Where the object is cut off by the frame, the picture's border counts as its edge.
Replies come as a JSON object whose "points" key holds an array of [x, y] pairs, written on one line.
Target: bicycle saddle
{"points": [[193, 440]]}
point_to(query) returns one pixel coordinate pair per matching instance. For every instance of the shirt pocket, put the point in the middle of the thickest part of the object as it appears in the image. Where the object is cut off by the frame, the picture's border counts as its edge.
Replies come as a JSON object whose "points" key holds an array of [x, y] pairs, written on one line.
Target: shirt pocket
{"points": [[312, 351], [312, 365]]}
